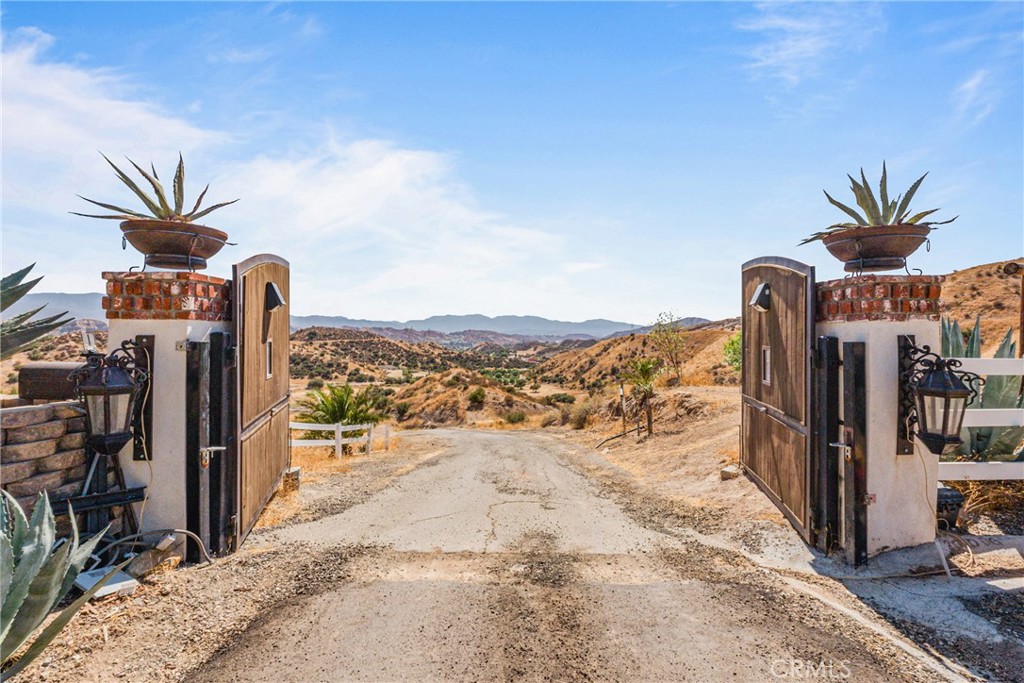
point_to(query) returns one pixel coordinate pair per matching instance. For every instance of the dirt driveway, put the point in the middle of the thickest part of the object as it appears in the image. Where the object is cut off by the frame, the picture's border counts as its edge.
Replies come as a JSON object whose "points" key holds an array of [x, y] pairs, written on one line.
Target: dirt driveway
{"points": [[500, 559]]}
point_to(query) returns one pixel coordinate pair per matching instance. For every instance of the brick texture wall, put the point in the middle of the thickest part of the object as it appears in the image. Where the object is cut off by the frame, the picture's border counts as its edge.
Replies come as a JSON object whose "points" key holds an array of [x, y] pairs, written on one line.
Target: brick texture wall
{"points": [[880, 297], [165, 295]]}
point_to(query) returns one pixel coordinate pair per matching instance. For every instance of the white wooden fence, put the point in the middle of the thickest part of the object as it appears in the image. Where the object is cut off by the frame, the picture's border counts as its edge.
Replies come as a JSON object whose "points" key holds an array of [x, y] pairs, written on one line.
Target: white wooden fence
{"points": [[338, 441], [988, 417]]}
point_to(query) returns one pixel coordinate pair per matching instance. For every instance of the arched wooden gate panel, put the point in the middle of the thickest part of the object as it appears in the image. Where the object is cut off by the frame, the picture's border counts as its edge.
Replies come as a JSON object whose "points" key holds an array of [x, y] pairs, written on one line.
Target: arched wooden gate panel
{"points": [[778, 333], [262, 328]]}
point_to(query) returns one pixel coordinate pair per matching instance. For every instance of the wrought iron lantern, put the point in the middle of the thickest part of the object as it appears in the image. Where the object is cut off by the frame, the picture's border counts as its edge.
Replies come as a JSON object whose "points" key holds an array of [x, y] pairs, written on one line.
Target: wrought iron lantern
{"points": [[941, 395], [108, 387]]}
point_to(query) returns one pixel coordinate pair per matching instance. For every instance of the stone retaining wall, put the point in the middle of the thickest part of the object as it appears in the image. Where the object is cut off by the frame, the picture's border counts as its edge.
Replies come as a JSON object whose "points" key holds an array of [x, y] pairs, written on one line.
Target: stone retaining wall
{"points": [[42, 448]]}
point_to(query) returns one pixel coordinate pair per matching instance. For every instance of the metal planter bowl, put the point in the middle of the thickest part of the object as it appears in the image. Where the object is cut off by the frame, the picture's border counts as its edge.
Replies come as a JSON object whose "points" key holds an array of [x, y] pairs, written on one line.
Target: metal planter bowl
{"points": [[876, 247], [172, 244]]}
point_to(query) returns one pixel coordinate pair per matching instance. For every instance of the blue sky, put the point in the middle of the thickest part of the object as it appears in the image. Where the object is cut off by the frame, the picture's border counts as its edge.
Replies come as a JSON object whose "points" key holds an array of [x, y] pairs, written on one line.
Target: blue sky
{"points": [[574, 160]]}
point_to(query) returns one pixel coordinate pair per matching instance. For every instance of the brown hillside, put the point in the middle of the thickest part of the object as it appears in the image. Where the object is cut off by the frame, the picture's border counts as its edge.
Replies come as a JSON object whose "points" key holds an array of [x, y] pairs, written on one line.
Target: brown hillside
{"points": [[600, 364], [361, 355], [444, 399], [988, 292]]}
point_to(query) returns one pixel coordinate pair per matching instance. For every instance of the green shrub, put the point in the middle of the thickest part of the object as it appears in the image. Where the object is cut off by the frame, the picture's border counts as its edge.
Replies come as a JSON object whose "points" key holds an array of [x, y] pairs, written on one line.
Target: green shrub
{"points": [[733, 352], [402, 409], [476, 397], [554, 399], [515, 417], [315, 383]]}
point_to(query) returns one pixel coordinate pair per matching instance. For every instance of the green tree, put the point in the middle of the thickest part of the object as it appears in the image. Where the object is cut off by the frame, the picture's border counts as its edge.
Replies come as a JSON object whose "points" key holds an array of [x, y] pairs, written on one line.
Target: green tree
{"points": [[641, 373], [669, 340], [733, 352]]}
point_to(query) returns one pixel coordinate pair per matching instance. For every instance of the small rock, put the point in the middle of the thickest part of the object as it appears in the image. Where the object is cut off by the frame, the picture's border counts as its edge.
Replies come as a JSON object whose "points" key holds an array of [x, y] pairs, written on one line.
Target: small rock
{"points": [[730, 472]]}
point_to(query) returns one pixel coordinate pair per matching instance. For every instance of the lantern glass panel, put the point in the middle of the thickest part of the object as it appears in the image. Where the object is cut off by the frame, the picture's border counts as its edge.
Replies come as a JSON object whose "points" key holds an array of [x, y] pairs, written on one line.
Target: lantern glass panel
{"points": [[119, 416], [957, 405], [97, 409], [933, 413]]}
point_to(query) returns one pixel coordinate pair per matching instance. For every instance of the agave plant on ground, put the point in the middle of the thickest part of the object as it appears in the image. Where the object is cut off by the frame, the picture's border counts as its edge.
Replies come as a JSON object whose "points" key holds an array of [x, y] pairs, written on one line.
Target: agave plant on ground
{"points": [[877, 211], [999, 391], [21, 330], [34, 577]]}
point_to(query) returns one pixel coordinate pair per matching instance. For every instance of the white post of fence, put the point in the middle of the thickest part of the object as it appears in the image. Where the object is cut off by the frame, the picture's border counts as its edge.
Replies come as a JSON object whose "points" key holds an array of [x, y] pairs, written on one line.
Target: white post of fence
{"points": [[337, 440], [387, 437], [369, 440]]}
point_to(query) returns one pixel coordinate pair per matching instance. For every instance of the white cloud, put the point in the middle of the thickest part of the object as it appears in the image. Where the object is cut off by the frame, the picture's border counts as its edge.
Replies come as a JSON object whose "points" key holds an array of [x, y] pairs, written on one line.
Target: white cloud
{"points": [[975, 98], [799, 39], [56, 117], [238, 56]]}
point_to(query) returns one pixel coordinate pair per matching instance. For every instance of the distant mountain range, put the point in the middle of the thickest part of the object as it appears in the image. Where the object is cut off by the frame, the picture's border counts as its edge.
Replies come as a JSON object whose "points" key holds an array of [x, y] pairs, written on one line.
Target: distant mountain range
{"points": [[474, 328], [522, 325], [81, 306]]}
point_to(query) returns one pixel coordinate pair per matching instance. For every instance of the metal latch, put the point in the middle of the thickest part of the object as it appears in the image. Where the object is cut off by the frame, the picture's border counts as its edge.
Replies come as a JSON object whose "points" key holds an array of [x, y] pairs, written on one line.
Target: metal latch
{"points": [[845, 449], [205, 453]]}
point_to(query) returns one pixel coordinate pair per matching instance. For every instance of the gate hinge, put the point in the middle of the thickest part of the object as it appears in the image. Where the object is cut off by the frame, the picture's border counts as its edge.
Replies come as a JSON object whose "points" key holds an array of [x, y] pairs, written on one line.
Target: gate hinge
{"points": [[229, 354], [868, 499]]}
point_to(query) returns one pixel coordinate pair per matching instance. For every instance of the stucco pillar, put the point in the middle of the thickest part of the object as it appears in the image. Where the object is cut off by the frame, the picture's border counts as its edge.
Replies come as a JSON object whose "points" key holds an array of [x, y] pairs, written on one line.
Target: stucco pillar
{"points": [[876, 310], [174, 307]]}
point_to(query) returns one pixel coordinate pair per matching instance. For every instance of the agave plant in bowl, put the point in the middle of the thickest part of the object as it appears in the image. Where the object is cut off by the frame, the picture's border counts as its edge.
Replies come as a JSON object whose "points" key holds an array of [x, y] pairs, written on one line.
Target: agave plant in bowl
{"points": [[884, 235], [168, 236]]}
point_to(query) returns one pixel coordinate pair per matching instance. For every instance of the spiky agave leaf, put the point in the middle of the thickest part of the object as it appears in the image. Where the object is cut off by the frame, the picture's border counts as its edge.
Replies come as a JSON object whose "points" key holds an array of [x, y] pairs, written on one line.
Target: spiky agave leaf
{"points": [[12, 288], [153, 207], [874, 213], [112, 207], [845, 209], [158, 188], [179, 186], [47, 635], [196, 216], [904, 209], [883, 193], [35, 552]]}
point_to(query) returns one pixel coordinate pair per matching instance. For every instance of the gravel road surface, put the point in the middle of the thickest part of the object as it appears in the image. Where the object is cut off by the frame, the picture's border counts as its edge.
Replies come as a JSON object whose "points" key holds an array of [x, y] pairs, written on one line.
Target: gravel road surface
{"points": [[501, 560]]}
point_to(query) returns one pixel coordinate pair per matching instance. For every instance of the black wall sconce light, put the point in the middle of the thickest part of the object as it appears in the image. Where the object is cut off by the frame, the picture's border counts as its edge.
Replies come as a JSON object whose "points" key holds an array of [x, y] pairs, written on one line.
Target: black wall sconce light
{"points": [[108, 386], [762, 299], [939, 394], [273, 299]]}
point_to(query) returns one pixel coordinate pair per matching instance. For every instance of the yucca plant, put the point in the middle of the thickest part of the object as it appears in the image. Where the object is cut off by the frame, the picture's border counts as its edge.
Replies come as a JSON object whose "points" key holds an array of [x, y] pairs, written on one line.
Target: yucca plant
{"points": [[159, 207], [877, 211], [642, 373], [21, 330], [35, 577], [998, 391]]}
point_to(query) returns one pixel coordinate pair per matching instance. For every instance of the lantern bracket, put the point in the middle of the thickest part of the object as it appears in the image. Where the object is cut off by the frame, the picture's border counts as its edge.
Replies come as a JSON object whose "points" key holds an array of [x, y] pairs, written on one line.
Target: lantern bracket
{"points": [[915, 362]]}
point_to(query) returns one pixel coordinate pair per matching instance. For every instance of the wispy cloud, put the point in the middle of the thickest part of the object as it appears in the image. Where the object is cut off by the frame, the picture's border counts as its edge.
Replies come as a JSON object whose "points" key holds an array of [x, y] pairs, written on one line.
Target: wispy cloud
{"points": [[239, 56], [798, 40], [975, 98]]}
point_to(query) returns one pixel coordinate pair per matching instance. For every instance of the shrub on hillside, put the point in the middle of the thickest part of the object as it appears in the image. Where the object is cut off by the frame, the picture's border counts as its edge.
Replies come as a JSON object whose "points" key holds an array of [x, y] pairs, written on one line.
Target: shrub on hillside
{"points": [[555, 399], [515, 417], [580, 413], [476, 398], [402, 410], [548, 419], [733, 352], [315, 383]]}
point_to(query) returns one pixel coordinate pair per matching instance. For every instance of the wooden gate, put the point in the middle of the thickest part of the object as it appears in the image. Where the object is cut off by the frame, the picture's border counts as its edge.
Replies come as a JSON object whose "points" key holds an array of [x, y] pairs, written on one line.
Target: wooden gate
{"points": [[261, 317], [778, 332]]}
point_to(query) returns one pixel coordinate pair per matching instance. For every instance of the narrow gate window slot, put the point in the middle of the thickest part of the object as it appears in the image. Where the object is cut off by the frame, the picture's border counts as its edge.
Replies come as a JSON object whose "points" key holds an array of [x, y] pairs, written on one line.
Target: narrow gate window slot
{"points": [[766, 365], [270, 358]]}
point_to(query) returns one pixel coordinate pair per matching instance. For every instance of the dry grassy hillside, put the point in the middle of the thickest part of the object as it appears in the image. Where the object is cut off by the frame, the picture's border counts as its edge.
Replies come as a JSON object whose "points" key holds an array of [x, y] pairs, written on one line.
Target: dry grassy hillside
{"points": [[458, 397], [986, 291], [599, 365], [54, 347], [359, 355]]}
